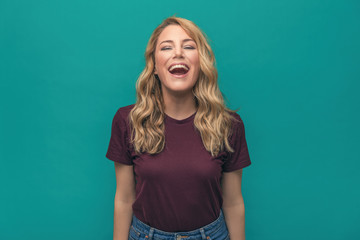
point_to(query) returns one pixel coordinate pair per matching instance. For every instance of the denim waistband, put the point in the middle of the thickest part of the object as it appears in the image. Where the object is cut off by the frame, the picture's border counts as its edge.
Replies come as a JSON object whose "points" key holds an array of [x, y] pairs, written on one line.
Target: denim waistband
{"points": [[203, 231]]}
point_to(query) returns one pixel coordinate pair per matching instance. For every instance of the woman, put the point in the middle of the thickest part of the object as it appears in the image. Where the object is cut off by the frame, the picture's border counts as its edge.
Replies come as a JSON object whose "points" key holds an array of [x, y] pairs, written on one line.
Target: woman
{"points": [[178, 151]]}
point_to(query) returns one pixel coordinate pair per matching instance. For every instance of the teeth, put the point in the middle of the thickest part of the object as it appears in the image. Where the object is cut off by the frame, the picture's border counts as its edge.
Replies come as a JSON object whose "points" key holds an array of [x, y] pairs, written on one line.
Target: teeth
{"points": [[178, 66]]}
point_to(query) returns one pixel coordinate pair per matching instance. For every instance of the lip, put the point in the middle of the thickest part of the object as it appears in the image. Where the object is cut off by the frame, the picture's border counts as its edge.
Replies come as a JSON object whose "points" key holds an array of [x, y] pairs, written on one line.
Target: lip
{"points": [[179, 76]]}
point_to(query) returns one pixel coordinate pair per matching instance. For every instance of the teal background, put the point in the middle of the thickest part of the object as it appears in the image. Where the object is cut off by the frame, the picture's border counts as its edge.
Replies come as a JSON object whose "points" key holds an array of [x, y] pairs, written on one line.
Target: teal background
{"points": [[291, 66]]}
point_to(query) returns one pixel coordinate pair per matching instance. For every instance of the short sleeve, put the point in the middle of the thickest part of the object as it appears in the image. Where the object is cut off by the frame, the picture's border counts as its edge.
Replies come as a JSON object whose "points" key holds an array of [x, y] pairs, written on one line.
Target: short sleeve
{"points": [[240, 157], [118, 150]]}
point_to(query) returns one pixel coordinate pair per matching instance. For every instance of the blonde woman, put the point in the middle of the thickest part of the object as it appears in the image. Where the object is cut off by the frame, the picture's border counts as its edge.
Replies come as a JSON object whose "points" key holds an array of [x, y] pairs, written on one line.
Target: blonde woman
{"points": [[178, 151]]}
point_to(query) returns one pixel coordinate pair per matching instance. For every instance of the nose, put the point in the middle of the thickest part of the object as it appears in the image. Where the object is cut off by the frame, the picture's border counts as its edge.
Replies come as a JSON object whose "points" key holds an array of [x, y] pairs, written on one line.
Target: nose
{"points": [[178, 52]]}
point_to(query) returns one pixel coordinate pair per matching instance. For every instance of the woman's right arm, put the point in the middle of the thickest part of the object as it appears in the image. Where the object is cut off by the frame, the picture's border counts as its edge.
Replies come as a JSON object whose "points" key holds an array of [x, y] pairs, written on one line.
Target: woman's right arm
{"points": [[124, 198]]}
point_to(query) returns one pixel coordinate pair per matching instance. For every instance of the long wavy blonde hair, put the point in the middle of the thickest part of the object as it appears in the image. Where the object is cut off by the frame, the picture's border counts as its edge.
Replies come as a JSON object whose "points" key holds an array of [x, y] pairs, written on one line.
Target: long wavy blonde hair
{"points": [[212, 119]]}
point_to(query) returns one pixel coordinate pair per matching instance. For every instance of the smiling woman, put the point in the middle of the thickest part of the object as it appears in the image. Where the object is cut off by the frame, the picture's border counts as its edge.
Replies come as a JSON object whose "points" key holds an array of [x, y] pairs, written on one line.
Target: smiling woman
{"points": [[178, 151], [176, 56]]}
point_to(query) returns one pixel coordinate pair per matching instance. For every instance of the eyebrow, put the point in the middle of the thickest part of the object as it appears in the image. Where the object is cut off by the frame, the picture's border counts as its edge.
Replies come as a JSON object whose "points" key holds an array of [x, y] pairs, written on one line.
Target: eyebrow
{"points": [[171, 41]]}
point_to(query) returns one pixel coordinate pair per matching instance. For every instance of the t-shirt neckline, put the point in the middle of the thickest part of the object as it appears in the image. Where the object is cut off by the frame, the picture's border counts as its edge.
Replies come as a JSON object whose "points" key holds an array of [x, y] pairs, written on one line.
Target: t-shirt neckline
{"points": [[181, 121]]}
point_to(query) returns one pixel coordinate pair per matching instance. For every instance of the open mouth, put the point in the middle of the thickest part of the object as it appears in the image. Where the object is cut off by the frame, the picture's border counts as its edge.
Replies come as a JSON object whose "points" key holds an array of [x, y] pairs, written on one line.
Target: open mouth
{"points": [[178, 69]]}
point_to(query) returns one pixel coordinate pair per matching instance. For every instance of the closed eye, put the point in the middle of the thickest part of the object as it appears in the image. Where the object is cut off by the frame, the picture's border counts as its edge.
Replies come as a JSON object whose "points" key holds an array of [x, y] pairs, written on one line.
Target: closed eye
{"points": [[168, 48]]}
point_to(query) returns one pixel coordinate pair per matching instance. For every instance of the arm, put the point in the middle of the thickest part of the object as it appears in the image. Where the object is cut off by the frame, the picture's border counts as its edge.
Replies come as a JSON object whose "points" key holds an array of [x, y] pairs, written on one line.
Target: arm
{"points": [[233, 204], [124, 198]]}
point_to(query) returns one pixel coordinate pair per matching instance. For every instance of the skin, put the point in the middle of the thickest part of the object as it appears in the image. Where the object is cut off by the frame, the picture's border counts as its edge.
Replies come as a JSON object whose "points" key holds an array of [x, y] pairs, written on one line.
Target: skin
{"points": [[174, 45], [233, 204], [124, 198]]}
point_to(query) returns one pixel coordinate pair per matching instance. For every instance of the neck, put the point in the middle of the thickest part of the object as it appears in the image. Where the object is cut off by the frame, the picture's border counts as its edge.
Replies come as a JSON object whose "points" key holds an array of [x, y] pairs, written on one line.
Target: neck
{"points": [[179, 106]]}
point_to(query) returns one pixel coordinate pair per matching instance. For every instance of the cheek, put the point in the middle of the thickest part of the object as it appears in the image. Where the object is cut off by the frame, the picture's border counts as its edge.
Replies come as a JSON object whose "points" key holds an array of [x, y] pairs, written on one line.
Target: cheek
{"points": [[160, 60], [194, 58]]}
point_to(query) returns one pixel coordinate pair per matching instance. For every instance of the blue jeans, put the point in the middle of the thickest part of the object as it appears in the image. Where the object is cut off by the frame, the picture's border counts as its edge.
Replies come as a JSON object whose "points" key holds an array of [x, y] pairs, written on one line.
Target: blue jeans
{"points": [[217, 230]]}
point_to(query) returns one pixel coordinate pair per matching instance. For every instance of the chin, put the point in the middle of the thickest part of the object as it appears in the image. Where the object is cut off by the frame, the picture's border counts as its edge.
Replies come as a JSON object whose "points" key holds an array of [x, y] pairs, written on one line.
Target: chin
{"points": [[179, 89]]}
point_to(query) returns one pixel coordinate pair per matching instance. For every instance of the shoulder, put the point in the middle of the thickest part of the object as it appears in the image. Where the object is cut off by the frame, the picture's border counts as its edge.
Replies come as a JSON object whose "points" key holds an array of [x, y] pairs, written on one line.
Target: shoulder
{"points": [[236, 119], [122, 114], [237, 126]]}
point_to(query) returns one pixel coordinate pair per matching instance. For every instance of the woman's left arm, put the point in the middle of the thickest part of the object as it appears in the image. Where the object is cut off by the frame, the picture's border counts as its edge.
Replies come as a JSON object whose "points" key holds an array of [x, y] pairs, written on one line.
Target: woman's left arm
{"points": [[233, 204]]}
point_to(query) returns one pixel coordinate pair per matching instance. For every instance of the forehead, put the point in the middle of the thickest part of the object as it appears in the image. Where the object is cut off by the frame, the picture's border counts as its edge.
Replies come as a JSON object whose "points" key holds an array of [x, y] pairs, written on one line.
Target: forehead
{"points": [[173, 32]]}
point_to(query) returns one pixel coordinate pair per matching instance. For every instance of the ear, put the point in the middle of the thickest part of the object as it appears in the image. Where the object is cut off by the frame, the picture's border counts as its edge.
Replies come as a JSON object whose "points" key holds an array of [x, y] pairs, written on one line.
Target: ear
{"points": [[155, 71]]}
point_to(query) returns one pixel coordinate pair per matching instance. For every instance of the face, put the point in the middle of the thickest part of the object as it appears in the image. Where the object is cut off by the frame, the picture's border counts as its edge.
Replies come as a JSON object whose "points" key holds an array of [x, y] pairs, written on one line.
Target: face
{"points": [[176, 61]]}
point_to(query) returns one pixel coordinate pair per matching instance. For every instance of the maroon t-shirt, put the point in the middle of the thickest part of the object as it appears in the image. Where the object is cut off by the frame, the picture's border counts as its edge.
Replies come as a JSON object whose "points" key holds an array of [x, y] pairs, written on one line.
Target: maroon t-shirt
{"points": [[178, 189]]}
